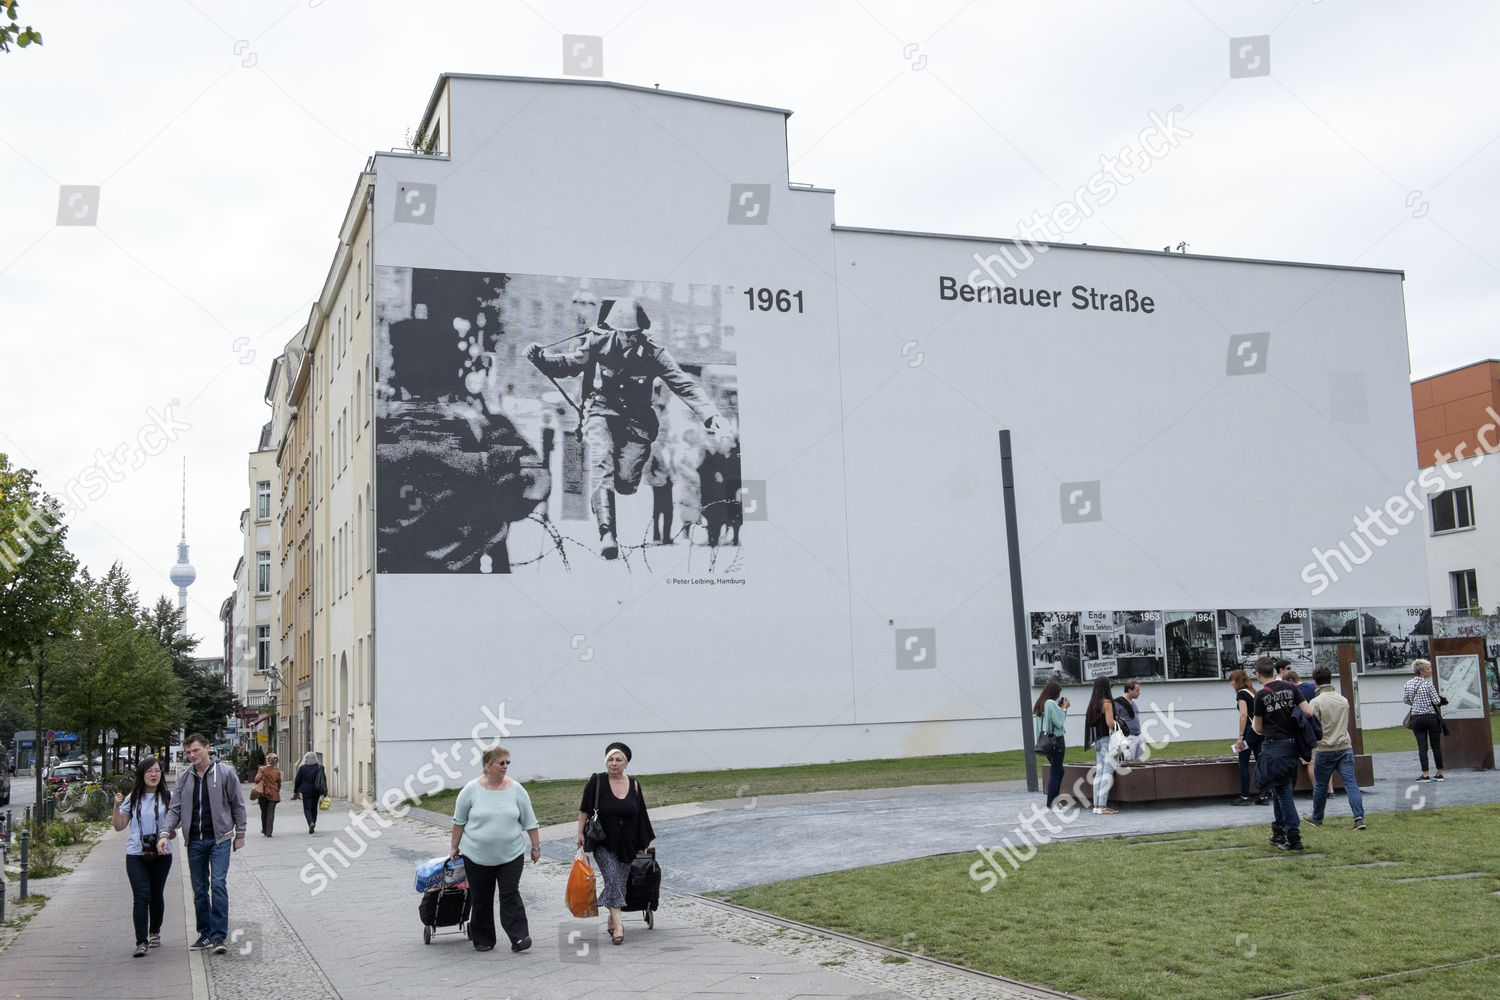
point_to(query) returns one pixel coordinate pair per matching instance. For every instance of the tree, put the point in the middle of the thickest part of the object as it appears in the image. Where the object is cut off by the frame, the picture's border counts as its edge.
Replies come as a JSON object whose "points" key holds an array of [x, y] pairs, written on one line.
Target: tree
{"points": [[12, 32], [37, 597], [114, 673]]}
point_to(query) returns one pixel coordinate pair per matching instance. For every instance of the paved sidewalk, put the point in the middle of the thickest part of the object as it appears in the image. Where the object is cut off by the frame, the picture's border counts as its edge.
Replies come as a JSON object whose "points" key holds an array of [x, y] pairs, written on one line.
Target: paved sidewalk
{"points": [[79, 945]]}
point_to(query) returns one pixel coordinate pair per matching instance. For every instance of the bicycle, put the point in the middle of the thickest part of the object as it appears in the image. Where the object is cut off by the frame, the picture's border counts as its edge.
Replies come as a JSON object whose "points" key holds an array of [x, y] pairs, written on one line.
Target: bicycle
{"points": [[73, 797]]}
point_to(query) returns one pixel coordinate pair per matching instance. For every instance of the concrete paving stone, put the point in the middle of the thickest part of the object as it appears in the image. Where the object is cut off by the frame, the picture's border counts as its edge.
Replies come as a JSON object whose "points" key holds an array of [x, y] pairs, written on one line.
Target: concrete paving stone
{"points": [[1444, 878], [1375, 864]]}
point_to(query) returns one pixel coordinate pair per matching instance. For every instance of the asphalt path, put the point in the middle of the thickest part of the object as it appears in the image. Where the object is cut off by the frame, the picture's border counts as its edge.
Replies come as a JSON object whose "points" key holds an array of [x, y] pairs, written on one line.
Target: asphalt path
{"points": [[741, 842]]}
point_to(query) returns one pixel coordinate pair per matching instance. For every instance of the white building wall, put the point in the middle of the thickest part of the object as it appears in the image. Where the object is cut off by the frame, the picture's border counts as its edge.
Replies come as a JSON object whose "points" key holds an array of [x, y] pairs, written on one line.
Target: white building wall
{"points": [[870, 416]]}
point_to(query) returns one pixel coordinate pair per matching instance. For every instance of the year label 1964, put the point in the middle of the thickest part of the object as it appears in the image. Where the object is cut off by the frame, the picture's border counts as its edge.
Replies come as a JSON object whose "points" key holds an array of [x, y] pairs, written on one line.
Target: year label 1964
{"points": [[780, 299]]}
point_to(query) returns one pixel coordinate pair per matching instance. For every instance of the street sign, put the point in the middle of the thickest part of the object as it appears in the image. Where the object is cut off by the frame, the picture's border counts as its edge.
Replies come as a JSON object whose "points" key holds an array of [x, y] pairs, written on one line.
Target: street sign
{"points": [[51, 735], [262, 738]]}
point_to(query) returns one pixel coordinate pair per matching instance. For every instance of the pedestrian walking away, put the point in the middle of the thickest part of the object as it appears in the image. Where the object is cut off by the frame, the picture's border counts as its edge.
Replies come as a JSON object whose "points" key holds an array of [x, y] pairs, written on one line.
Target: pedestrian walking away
{"points": [[621, 808], [1335, 751], [1425, 721], [492, 821], [1276, 770], [267, 792], [310, 785], [143, 812], [209, 791], [1129, 718]]}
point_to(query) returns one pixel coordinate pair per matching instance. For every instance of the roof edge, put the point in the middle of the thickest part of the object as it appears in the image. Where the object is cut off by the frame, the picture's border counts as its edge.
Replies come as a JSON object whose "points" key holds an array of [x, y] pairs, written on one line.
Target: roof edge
{"points": [[1450, 371], [443, 79], [1108, 249]]}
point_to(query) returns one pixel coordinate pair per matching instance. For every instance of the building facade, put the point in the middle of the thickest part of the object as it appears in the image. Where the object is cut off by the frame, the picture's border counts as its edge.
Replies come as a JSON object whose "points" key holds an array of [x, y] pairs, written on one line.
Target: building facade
{"points": [[578, 447]]}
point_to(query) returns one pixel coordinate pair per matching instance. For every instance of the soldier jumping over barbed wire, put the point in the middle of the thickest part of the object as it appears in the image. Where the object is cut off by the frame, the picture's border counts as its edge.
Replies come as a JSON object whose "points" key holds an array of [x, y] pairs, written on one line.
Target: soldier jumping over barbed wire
{"points": [[619, 364]]}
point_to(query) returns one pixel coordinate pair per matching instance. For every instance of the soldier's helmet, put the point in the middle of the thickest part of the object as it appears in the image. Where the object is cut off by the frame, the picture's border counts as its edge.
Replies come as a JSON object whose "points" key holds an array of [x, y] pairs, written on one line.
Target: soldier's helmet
{"points": [[624, 316]]}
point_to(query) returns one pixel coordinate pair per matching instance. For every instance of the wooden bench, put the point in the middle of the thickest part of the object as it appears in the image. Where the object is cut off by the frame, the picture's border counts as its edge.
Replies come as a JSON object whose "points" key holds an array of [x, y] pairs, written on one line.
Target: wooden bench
{"points": [[1188, 778]]}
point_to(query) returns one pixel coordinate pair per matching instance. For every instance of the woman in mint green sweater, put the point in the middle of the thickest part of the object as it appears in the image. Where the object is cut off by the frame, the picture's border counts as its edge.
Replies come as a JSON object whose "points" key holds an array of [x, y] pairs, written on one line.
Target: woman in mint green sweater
{"points": [[1048, 716], [492, 821]]}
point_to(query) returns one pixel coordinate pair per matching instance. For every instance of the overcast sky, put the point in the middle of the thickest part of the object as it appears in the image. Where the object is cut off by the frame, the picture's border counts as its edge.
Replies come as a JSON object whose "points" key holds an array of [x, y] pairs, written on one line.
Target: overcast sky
{"points": [[225, 139]]}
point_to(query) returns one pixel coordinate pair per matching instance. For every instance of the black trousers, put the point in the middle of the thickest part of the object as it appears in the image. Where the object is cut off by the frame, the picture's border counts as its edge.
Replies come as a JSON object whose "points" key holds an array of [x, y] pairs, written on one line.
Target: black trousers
{"points": [[1424, 728], [267, 815], [148, 881], [310, 810], [483, 881], [1055, 773]]}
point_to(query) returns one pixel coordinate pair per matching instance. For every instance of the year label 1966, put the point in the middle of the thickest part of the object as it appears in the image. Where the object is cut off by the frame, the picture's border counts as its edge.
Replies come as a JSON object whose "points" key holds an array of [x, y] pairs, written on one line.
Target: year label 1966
{"points": [[780, 299]]}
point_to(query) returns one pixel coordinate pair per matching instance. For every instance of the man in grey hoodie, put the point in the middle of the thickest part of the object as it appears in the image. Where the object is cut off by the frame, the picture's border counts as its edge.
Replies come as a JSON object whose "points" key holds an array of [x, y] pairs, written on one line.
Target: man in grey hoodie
{"points": [[210, 793]]}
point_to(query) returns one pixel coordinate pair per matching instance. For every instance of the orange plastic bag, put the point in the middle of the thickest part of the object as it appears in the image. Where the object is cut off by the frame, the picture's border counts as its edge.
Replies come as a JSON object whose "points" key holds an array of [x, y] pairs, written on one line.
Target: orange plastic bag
{"points": [[581, 897]]}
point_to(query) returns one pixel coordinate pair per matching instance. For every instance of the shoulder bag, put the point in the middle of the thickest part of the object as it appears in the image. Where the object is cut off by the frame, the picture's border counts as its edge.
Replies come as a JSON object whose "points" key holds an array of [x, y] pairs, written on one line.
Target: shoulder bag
{"points": [[259, 788], [593, 829]]}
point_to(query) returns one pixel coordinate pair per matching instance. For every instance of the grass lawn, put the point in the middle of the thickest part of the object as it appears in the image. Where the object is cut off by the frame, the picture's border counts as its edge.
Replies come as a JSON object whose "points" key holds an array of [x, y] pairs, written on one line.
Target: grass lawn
{"points": [[1200, 917], [557, 801]]}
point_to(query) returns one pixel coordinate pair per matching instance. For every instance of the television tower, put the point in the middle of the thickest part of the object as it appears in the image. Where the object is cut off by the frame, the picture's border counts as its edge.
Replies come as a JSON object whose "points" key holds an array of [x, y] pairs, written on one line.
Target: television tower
{"points": [[182, 573]]}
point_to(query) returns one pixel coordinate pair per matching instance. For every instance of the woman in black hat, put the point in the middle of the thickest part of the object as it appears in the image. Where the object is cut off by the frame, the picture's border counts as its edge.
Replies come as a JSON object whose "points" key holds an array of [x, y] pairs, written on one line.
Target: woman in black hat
{"points": [[627, 829]]}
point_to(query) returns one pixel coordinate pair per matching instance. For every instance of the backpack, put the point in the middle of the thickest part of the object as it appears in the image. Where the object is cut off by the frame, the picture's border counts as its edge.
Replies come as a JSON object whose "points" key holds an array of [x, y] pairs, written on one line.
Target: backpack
{"points": [[1308, 731]]}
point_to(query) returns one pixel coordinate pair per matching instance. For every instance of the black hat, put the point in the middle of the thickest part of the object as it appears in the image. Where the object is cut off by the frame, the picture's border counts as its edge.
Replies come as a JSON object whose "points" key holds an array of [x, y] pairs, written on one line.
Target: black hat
{"points": [[620, 747]]}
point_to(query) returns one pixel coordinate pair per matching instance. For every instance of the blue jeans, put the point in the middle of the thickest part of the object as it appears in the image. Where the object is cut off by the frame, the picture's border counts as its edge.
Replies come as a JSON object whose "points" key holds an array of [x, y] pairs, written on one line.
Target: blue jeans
{"points": [[1104, 772], [1324, 764], [1277, 767], [208, 865]]}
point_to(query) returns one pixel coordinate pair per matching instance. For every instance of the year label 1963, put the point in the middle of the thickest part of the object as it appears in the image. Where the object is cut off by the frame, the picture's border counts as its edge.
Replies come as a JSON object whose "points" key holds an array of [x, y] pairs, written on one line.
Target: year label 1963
{"points": [[780, 299]]}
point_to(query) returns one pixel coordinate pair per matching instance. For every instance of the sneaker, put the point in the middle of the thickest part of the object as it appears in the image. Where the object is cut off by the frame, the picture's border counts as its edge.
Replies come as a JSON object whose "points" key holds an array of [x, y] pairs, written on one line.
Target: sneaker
{"points": [[521, 945], [1308, 818], [1241, 800], [1263, 799], [1424, 778], [1359, 823], [1290, 845], [219, 948], [1437, 777], [1278, 837], [202, 944]]}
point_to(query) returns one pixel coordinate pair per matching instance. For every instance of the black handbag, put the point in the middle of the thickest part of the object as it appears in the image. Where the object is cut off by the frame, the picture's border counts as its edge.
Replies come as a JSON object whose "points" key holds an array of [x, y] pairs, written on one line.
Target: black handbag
{"points": [[593, 829], [1048, 743]]}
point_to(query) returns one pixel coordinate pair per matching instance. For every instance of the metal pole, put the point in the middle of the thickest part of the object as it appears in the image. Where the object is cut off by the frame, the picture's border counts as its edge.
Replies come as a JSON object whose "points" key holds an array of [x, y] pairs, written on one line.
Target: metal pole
{"points": [[25, 858], [1018, 610]]}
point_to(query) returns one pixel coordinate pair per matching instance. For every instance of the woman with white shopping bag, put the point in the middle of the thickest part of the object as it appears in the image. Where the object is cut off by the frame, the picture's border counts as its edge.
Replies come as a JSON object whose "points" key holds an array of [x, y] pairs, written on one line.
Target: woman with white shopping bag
{"points": [[1098, 729]]}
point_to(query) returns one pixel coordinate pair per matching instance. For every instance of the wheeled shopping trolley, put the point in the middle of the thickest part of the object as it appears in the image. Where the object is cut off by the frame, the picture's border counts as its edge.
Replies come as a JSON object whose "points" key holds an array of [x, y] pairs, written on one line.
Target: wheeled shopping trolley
{"points": [[445, 897], [643, 886]]}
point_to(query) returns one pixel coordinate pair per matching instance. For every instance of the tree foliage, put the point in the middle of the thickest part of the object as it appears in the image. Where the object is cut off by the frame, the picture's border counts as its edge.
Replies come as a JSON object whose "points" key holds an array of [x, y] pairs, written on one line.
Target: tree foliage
{"points": [[10, 31], [115, 674], [206, 701]]}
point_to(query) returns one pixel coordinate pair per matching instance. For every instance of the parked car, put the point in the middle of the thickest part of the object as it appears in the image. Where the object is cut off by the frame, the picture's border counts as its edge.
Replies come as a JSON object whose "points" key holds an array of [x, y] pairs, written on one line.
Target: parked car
{"points": [[67, 773]]}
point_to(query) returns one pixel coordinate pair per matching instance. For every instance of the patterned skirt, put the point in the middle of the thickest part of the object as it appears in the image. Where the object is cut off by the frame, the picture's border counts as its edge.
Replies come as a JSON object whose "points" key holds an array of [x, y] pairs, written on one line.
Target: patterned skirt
{"points": [[614, 873]]}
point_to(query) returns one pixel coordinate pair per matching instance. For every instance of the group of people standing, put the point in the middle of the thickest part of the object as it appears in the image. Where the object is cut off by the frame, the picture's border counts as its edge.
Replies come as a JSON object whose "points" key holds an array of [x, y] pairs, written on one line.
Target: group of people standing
{"points": [[1104, 711], [495, 829]]}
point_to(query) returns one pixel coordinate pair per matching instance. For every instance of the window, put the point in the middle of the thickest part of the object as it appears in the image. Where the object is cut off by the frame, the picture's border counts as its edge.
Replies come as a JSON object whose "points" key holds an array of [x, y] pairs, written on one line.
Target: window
{"points": [[263, 500], [1465, 593], [1453, 510], [262, 648], [262, 572]]}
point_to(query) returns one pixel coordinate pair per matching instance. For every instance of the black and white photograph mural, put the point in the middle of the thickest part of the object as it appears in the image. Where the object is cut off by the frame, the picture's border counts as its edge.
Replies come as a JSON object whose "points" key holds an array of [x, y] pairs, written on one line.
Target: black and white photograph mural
{"points": [[536, 423], [1121, 644], [1055, 647], [1332, 629], [1285, 633], [1191, 645], [1393, 637]]}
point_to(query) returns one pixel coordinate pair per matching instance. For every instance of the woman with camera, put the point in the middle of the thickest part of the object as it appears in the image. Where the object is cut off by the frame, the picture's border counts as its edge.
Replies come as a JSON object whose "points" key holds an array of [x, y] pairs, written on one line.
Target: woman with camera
{"points": [[143, 812]]}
